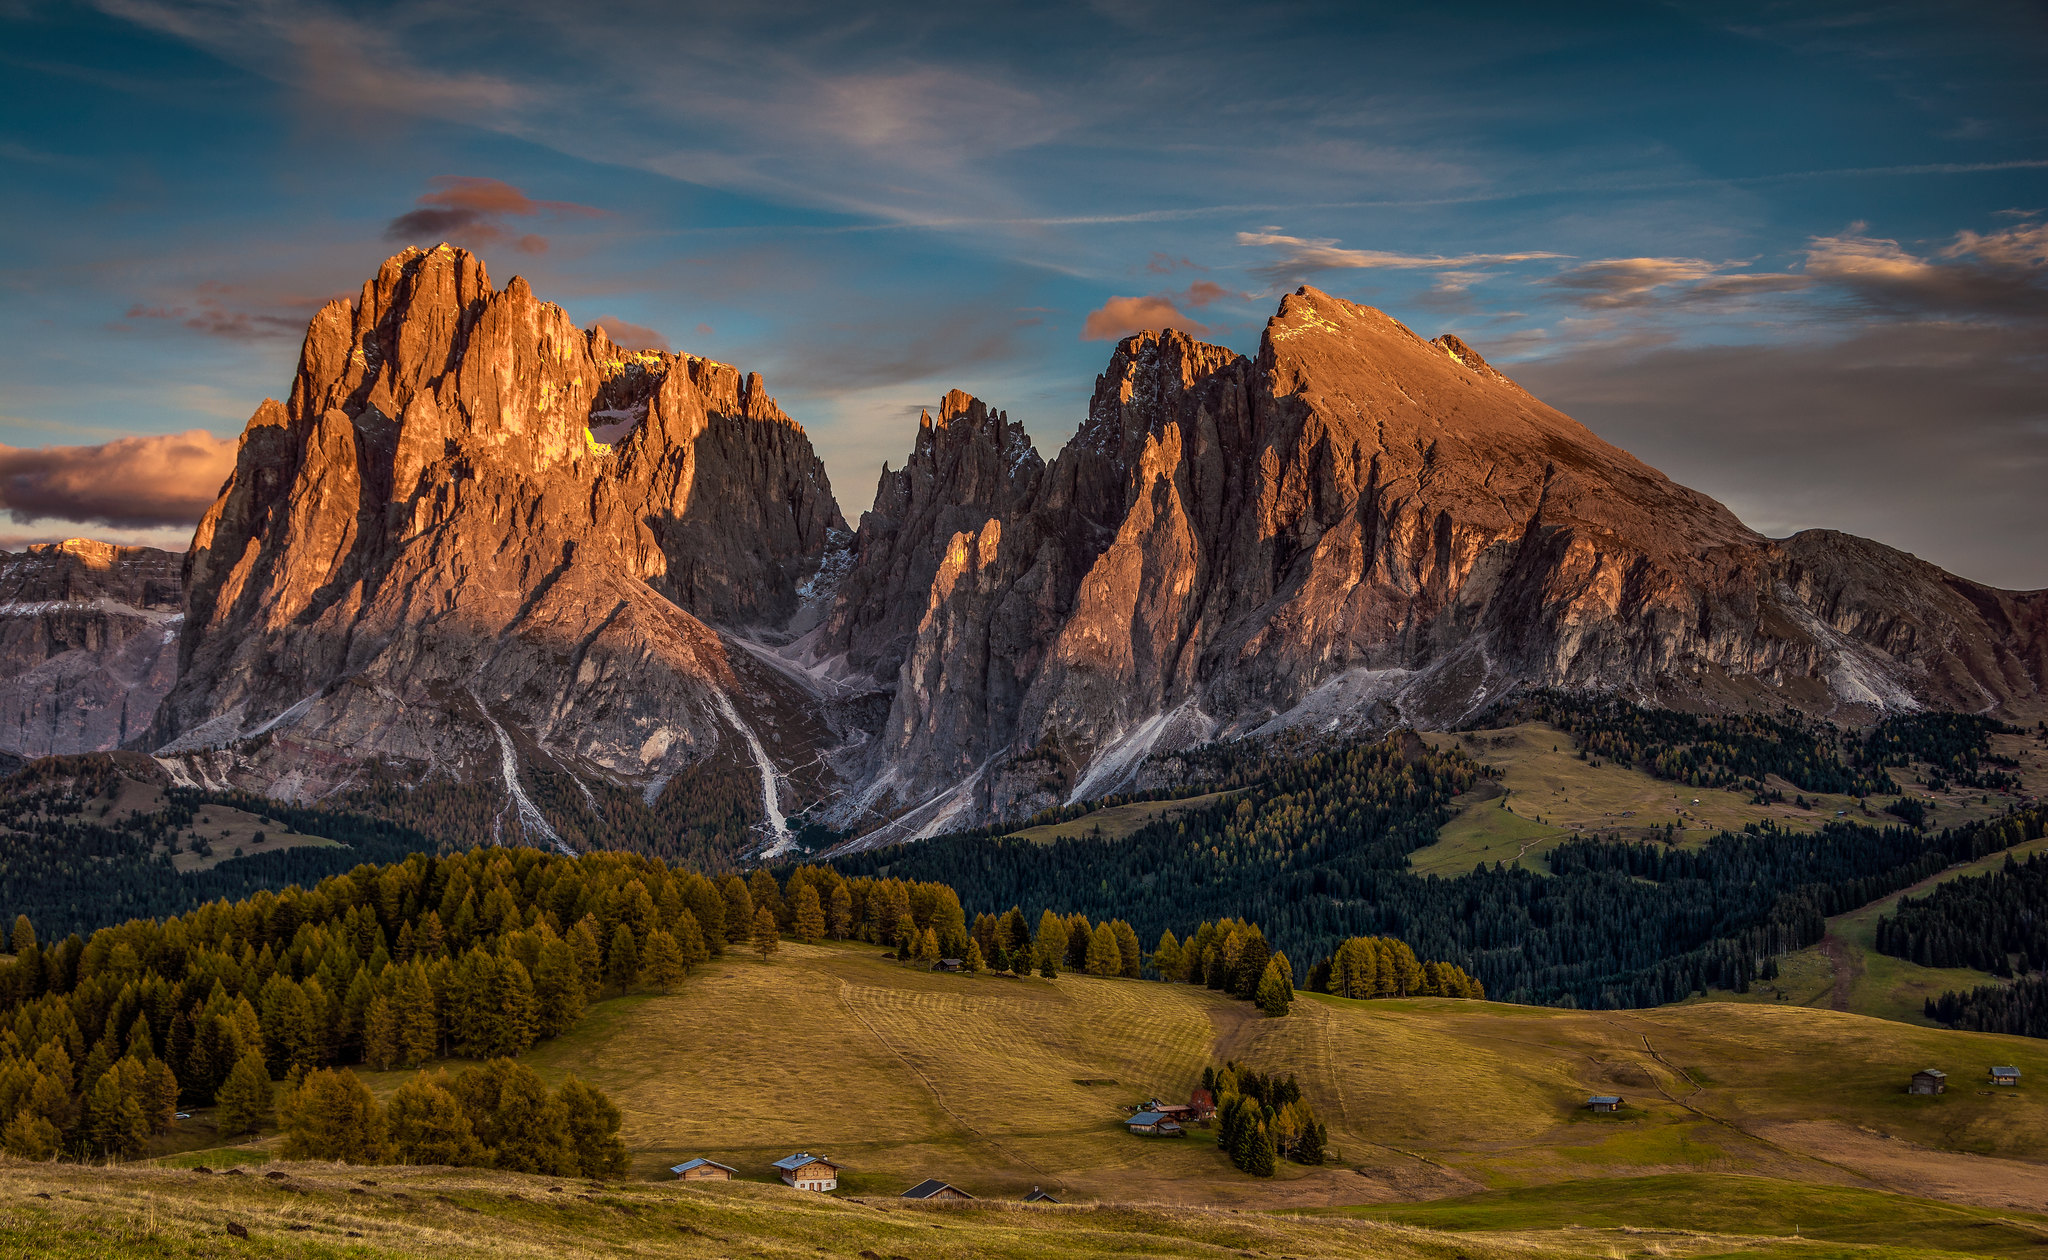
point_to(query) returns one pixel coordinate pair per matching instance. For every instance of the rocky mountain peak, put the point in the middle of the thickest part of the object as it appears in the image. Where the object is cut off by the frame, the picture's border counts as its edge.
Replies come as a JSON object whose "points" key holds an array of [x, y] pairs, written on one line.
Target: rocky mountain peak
{"points": [[476, 534]]}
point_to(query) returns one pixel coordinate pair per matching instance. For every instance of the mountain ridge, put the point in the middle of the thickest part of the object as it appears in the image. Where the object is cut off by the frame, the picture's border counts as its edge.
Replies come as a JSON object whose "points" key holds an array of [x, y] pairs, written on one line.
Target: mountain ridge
{"points": [[478, 540]]}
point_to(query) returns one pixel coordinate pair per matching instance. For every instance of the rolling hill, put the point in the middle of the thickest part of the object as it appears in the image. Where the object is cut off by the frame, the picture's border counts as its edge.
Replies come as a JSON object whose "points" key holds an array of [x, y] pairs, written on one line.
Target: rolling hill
{"points": [[1743, 1124]]}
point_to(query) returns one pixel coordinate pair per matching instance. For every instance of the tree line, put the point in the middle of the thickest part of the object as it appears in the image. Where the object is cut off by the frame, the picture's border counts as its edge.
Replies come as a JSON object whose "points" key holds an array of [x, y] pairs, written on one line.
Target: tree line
{"points": [[1318, 854], [478, 954], [1996, 922]]}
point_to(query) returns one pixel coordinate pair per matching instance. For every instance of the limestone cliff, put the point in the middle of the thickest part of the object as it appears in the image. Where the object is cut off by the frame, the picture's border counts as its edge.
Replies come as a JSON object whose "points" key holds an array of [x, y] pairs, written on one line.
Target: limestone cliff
{"points": [[1358, 527], [425, 554], [88, 644]]}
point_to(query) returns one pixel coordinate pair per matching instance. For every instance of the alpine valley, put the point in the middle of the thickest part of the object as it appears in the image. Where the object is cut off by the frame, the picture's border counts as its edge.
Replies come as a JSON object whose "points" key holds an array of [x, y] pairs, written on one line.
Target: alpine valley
{"points": [[476, 545]]}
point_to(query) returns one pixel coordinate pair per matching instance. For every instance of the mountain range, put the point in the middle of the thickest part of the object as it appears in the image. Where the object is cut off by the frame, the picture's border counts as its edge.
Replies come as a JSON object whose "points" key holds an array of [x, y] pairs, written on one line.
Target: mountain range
{"points": [[479, 541]]}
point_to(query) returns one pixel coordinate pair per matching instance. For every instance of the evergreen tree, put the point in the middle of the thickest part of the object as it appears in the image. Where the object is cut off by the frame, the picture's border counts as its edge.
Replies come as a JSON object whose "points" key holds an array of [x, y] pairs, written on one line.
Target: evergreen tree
{"points": [[1166, 958], [592, 1121], [426, 1125], [1014, 934], [739, 909], [840, 918], [1049, 947], [558, 997], [24, 938], [691, 940], [1314, 1140], [1103, 958], [663, 968], [767, 935], [906, 936], [809, 915], [1131, 957], [30, 1136], [417, 1015], [928, 946], [332, 1115], [589, 957], [622, 961], [1260, 1158], [767, 896], [380, 1034], [974, 961], [244, 1098], [1252, 956], [523, 1127], [1275, 991]]}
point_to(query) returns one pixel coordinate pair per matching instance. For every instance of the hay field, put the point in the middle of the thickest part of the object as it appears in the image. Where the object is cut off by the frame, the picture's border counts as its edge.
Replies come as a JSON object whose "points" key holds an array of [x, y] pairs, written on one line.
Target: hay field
{"points": [[330, 1212]]}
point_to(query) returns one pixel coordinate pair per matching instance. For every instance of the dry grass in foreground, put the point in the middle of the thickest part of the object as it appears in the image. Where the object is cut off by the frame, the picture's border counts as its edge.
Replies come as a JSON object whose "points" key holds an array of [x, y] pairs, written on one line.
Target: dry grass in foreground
{"points": [[71, 1212]]}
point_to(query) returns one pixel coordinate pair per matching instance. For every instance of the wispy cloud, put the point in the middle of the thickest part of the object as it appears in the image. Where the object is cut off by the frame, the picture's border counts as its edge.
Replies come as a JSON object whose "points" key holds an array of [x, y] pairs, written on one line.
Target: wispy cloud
{"points": [[1301, 256], [1619, 282]]}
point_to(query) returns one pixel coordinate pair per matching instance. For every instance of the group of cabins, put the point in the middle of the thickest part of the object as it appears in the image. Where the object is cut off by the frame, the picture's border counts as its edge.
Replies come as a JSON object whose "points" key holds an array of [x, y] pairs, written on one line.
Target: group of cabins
{"points": [[806, 1171], [1158, 1119], [1935, 1081], [803, 1170]]}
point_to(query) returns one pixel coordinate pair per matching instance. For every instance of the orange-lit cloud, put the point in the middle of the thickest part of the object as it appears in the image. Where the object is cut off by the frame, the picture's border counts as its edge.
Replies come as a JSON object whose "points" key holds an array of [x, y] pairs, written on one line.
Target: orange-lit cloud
{"points": [[1203, 292], [631, 336], [471, 210], [136, 482], [2003, 273], [1300, 256], [1121, 316]]}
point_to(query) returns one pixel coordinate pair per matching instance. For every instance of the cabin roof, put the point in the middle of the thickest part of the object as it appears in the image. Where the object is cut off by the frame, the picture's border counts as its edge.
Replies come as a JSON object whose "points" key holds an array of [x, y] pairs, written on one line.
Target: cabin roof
{"points": [[1039, 1196], [1604, 1098], [797, 1161], [703, 1163], [2005, 1071], [1145, 1117], [1932, 1072], [930, 1186]]}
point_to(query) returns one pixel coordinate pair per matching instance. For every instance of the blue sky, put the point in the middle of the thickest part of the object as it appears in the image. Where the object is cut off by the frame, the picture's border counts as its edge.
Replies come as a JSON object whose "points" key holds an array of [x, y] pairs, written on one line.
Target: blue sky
{"points": [[1796, 255]]}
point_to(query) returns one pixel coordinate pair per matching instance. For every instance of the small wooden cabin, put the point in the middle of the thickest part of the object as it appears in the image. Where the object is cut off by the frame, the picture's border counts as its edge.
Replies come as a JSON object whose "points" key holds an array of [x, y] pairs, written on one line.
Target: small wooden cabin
{"points": [[2005, 1076], [1604, 1102], [933, 1188], [1039, 1196], [1155, 1124], [949, 964], [809, 1172], [704, 1170], [1929, 1081]]}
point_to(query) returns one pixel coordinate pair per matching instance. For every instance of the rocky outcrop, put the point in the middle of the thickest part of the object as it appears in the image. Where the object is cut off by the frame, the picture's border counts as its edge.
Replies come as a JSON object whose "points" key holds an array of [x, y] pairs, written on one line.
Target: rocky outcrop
{"points": [[477, 540], [88, 644], [1359, 527], [425, 553]]}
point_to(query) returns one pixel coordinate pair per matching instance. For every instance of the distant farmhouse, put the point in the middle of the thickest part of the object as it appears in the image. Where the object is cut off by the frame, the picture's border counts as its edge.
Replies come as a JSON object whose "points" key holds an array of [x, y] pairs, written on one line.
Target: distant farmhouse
{"points": [[1929, 1081], [1155, 1124], [704, 1170], [1604, 1102], [934, 1189], [2005, 1076], [1039, 1196], [809, 1172]]}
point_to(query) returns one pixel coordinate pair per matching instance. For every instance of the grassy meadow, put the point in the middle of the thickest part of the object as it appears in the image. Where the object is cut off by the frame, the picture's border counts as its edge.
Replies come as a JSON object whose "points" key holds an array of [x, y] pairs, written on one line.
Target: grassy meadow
{"points": [[1457, 1128]]}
